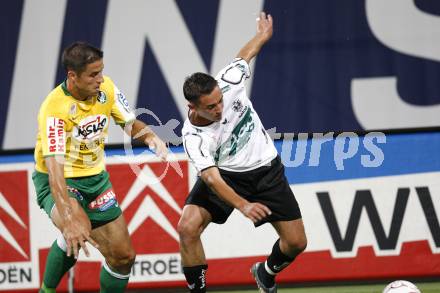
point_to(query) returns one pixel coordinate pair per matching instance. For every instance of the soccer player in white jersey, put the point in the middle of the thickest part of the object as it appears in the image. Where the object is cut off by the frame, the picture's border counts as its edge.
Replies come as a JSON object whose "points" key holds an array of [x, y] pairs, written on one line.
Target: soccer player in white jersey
{"points": [[238, 167]]}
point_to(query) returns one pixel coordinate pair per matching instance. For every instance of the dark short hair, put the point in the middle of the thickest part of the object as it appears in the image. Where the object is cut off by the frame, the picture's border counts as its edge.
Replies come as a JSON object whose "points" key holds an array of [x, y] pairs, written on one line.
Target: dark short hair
{"points": [[197, 85], [78, 55]]}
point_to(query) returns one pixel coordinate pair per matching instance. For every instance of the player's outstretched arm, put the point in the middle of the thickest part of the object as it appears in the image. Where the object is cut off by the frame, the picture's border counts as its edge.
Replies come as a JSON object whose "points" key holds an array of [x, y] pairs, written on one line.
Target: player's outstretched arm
{"points": [[253, 210], [263, 34], [72, 222], [140, 131]]}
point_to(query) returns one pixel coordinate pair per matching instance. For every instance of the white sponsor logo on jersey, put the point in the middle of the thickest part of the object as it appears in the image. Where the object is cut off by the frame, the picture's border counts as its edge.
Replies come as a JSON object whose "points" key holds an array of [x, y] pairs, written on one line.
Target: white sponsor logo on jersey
{"points": [[91, 127]]}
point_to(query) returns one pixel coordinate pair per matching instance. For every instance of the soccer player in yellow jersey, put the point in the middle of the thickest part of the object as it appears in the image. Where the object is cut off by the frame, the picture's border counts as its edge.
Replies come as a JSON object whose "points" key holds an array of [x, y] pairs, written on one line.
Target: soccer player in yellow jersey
{"points": [[70, 179]]}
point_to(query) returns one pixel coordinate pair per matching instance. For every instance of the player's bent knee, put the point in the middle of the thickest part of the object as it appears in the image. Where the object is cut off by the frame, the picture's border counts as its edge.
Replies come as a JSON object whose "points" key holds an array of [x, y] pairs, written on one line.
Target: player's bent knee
{"points": [[295, 244], [122, 260], [188, 230], [301, 244]]}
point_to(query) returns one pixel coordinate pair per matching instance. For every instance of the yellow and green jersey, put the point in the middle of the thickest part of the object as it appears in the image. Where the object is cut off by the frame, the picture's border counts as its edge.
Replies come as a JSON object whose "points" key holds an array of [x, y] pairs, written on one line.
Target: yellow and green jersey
{"points": [[77, 129]]}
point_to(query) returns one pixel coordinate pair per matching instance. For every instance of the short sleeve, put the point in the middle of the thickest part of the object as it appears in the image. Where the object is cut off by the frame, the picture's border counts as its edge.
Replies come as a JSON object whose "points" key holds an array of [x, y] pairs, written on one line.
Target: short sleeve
{"points": [[53, 135], [235, 73], [198, 148], [121, 112]]}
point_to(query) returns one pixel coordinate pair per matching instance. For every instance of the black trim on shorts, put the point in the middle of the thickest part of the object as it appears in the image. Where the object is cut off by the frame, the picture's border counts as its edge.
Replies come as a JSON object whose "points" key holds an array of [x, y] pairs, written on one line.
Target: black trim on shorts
{"points": [[208, 168]]}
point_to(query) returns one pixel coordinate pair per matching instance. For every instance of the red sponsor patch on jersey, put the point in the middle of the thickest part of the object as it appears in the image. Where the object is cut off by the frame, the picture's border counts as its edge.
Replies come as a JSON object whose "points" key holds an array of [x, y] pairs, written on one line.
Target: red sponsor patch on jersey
{"points": [[56, 136]]}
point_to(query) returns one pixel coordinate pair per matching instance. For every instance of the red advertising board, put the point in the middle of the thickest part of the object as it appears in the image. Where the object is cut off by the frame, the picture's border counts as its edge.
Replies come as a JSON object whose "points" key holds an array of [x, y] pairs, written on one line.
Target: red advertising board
{"points": [[361, 229]]}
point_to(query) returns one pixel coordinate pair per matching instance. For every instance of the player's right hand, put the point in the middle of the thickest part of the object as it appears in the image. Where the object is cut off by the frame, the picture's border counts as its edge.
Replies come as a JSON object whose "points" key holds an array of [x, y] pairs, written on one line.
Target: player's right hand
{"points": [[255, 211], [157, 146], [76, 232]]}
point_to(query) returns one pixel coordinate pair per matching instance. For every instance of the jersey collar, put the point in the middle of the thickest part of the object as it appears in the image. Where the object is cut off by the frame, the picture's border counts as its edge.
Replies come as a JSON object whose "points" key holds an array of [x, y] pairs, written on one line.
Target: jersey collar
{"points": [[64, 87], [205, 125]]}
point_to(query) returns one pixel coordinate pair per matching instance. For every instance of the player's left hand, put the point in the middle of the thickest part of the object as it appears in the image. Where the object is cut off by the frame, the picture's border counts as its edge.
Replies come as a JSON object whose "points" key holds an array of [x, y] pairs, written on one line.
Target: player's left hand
{"points": [[255, 211], [157, 146]]}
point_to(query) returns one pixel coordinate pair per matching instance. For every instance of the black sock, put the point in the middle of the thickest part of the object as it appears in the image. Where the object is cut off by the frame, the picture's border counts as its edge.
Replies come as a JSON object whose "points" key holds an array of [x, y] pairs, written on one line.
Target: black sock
{"points": [[275, 263], [195, 277]]}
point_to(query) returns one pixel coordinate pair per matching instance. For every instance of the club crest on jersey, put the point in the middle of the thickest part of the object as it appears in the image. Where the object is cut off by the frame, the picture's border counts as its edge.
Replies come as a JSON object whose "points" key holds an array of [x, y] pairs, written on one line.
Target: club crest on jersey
{"points": [[72, 110], [241, 67], [104, 201], [91, 127], [102, 98], [237, 106]]}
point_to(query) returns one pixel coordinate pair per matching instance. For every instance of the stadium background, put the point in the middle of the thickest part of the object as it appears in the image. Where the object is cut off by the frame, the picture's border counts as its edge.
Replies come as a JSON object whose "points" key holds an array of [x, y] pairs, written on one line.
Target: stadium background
{"points": [[357, 66]]}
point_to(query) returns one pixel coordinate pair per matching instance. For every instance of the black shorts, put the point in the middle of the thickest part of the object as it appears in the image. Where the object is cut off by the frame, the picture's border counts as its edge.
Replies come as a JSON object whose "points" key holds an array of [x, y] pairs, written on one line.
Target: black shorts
{"points": [[267, 185]]}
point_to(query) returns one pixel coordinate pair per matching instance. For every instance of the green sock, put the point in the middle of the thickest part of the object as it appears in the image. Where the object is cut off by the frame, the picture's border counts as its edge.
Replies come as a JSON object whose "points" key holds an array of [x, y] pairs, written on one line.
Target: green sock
{"points": [[43, 289], [57, 264], [112, 282]]}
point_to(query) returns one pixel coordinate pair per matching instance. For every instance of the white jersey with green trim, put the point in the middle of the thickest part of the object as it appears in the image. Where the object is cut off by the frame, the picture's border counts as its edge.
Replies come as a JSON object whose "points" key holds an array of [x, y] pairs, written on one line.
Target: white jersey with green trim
{"points": [[238, 142]]}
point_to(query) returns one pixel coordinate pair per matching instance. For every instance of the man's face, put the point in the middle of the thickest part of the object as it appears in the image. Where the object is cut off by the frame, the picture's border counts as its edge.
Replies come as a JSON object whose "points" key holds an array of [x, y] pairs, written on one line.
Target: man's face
{"points": [[88, 82], [210, 106]]}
